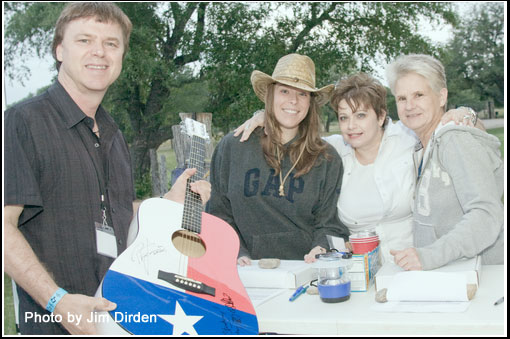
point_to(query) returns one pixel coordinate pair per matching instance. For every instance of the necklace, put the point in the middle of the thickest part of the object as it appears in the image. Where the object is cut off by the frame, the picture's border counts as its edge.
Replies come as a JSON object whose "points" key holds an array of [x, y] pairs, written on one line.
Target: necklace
{"points": [[282, 182]]}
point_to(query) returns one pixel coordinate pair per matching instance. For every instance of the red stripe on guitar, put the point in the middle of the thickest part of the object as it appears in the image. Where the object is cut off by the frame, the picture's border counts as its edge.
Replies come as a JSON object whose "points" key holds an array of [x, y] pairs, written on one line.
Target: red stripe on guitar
{"points": [[219, 264]]}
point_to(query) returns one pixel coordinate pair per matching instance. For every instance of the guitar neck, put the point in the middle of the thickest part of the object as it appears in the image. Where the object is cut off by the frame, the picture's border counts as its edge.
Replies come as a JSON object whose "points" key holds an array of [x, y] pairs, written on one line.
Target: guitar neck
{"points": [[192, 217]]}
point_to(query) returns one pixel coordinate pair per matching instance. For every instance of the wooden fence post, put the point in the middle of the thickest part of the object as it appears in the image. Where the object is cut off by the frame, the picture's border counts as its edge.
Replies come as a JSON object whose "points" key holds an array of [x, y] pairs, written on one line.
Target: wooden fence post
{"points": [[163, 175], [490, 108], [156, 186], [158, 174]]}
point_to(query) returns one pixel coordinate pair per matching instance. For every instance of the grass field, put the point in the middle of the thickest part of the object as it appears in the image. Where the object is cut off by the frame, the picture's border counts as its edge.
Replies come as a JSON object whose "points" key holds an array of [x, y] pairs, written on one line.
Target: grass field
{"points": [[500, 133], [9, 320], [165, 149]]}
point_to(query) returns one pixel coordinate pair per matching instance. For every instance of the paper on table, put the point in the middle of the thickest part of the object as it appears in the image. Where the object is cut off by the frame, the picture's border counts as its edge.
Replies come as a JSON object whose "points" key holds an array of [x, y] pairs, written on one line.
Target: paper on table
{"points": [[427, 286], [258, 296], [421, 306]]}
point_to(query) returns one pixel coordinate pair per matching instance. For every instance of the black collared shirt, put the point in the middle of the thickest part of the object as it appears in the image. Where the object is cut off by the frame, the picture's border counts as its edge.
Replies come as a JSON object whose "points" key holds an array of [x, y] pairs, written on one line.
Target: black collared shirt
{"points": [[57, 168]]}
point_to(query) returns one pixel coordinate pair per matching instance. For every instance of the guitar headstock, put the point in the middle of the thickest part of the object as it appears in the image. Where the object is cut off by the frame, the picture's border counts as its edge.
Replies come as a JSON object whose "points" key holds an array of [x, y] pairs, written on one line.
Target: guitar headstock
{"points": [[192, 128]]}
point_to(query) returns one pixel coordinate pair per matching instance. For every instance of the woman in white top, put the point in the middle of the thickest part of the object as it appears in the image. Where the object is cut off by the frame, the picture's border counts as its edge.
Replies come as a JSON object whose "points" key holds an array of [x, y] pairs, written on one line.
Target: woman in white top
{"points": [[378, 180], [377, 155]]}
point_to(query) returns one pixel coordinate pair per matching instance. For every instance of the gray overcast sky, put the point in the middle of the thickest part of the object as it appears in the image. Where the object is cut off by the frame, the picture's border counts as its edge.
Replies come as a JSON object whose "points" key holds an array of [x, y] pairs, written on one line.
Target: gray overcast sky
{"points": [[43, 70]]}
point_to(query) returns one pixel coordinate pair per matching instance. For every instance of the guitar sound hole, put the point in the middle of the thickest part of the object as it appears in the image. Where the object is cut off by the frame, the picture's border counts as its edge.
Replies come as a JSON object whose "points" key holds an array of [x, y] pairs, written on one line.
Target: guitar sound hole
{"points": [[188, 243]]}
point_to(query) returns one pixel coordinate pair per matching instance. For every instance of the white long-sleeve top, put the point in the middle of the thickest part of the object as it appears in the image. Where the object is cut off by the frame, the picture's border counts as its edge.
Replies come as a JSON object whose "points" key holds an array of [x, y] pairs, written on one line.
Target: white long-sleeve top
{"points": [[379, 196]]}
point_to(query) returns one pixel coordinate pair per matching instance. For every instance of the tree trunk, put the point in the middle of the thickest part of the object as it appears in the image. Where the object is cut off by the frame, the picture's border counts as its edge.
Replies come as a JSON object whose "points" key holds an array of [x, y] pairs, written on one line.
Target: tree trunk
{"points": [[140, 159]]}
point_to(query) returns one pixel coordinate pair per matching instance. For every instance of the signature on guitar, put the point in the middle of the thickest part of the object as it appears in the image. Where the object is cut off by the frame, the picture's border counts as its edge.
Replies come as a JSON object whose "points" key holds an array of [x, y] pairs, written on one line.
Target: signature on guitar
{"points": [[230, 317], [143, 251]]}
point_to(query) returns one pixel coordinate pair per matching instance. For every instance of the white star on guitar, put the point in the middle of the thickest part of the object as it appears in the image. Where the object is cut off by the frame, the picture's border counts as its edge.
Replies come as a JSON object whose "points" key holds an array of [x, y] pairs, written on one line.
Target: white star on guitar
{"points": [[182, 323]]}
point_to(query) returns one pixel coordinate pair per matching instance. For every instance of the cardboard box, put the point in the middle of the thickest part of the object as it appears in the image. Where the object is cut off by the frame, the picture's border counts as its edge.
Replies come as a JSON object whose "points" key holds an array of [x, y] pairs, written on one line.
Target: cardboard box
{"points": [[472, 268], [364, 268], [290, 274]]}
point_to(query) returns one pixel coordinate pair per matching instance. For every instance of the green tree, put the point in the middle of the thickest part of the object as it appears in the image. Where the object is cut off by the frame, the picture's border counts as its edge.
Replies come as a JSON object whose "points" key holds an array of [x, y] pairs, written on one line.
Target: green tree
{"points": [[474, 59], [207, 51], [166, 38], [341, 38], [29, 31]]}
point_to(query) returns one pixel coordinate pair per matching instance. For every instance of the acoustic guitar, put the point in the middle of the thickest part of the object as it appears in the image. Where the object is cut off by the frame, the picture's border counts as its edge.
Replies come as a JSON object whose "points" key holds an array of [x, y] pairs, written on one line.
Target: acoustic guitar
{"points": [[179, 273]]}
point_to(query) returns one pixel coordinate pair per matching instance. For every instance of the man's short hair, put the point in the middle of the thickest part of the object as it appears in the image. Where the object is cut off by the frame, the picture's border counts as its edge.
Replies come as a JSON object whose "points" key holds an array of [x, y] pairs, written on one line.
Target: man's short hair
{"points": [[106, 12]]}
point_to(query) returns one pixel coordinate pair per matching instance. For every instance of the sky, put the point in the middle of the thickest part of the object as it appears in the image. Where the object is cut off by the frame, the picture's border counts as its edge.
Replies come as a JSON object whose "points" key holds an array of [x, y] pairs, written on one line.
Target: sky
{"points": [[42, 71]]}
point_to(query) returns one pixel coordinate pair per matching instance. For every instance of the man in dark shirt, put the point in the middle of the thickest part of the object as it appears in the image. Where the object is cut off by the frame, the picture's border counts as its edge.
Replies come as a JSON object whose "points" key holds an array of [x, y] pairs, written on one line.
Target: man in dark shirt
{"points": [[67, 173]]}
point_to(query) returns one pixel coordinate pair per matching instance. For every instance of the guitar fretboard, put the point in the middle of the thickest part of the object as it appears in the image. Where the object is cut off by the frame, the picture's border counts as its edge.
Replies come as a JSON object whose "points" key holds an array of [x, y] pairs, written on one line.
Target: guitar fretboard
{"points": [[192, 217]]}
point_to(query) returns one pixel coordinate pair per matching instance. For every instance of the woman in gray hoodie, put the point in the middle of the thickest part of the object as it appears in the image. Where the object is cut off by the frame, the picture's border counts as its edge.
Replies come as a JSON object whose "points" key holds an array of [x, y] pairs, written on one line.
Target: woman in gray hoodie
{"points": [[458, 210]]}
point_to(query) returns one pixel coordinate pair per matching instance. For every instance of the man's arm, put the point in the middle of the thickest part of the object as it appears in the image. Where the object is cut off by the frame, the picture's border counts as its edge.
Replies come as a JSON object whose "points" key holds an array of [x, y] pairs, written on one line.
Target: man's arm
{"points": [[178, 191], [22, 265]]}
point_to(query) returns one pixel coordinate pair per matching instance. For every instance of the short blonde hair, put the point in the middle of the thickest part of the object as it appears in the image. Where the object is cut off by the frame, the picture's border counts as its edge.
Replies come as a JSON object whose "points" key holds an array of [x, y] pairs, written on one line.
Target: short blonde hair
{"points": [[425, 65], [102, 11]]}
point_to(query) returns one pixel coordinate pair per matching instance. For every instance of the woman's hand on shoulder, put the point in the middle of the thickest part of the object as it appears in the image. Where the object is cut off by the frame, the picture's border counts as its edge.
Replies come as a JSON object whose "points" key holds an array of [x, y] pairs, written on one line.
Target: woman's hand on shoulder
{"points": [[250, 125], [460, 116]]}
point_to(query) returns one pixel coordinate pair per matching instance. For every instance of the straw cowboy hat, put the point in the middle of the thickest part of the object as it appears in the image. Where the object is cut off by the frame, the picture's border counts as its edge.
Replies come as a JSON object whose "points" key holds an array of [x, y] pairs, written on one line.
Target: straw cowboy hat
{"points": [[293, 70]]}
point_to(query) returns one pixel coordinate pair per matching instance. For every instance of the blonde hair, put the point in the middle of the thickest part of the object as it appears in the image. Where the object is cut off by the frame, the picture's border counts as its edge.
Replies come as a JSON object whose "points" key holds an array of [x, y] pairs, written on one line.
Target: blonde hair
{"points": [[308, 137], [425, 65], [106, 12]]}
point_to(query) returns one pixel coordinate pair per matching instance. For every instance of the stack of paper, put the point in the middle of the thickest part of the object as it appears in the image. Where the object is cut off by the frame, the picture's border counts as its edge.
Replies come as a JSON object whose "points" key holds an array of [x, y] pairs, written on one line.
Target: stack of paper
{"points": [[470, 268], [441, 290], [427, 286]]}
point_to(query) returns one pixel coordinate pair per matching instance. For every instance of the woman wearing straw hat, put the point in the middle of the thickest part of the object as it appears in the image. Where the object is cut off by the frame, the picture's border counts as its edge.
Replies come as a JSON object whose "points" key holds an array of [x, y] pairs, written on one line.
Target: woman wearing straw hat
{"points": [[279, 189]]}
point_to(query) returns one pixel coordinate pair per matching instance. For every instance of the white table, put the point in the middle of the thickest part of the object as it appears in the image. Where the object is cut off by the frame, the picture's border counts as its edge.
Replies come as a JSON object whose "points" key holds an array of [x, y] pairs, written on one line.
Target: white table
{"points": [[309, 315]]}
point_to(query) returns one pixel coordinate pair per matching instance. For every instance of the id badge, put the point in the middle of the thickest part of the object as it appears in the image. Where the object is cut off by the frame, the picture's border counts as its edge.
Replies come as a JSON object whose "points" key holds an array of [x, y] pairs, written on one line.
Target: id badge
{"points": [[106, 242]]}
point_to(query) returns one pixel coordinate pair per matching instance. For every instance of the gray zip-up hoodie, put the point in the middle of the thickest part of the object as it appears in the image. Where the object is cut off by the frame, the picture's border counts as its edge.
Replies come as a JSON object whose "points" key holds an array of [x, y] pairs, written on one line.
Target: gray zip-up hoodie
{"points": [[458, 210]]}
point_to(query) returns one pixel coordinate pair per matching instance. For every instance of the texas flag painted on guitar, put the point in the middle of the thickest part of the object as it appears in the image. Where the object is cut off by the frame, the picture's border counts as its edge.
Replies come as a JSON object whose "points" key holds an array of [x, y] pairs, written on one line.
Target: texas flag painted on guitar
{"points": [[179, 274]]}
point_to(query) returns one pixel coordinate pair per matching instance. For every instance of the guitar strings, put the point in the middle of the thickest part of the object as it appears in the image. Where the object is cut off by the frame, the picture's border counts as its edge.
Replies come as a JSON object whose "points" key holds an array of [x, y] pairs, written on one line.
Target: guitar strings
{"points": [[193, 205]]}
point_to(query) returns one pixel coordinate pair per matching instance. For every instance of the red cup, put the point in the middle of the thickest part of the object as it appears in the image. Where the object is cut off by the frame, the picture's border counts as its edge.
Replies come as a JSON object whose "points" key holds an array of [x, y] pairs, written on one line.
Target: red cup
{"points": [[363, 242], [363, 239], [362, 247]]}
